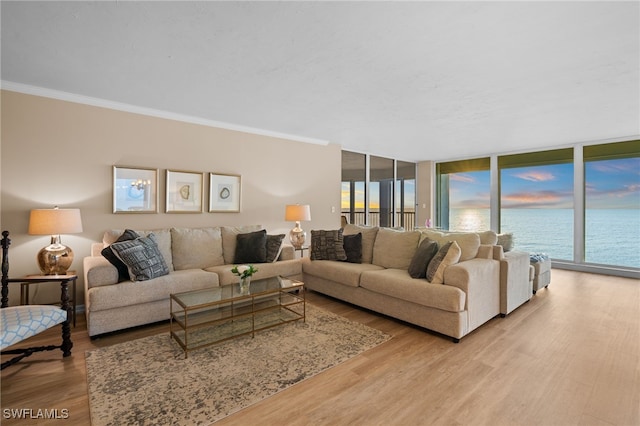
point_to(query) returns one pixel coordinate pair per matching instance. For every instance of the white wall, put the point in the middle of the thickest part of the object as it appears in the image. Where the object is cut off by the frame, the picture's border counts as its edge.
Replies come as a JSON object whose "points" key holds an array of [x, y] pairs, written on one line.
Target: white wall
{"points": [[61, 153]]}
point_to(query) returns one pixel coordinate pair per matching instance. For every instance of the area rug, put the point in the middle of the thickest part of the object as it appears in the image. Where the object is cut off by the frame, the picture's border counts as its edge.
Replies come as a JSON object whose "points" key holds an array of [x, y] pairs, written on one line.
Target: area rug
{"points": [[148, 380]]}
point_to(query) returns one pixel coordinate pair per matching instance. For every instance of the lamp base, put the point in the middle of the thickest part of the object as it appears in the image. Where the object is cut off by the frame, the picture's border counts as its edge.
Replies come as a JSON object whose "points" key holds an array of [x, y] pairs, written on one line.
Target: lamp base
{"points": [[297, 236], [55, 259]]}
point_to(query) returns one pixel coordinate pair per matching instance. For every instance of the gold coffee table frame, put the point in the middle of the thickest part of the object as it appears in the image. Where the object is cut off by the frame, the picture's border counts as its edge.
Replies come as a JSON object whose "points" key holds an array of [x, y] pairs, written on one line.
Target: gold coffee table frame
{"points": [[202, 318]]}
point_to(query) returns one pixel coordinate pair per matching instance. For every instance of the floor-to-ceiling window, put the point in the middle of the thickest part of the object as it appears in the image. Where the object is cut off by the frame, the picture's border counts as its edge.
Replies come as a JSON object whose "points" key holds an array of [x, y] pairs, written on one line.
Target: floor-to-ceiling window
{"points": [[405, 194], [536, 201], [463, 194], [612, 204], [354, 177], [378, 191], [587, 221]]}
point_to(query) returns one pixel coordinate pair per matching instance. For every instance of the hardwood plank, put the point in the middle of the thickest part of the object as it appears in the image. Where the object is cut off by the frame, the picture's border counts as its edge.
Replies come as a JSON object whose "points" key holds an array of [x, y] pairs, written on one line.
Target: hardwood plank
{"points": [[569, 356]]}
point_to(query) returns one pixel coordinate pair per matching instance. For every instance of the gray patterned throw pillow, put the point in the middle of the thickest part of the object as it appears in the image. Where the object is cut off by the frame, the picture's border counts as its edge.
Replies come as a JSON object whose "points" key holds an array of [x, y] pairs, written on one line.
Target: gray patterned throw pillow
{"points": [[327, 245], [142, 257]]}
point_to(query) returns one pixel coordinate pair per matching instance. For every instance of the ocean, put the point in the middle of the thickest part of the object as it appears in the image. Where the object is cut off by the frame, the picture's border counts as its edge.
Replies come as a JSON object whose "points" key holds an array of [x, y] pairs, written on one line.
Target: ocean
{"points": [[612, 235]]}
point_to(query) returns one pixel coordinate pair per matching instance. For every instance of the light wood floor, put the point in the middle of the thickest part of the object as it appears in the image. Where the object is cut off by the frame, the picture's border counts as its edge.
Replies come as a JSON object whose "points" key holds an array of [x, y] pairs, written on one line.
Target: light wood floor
{"points": [[571, 356]]}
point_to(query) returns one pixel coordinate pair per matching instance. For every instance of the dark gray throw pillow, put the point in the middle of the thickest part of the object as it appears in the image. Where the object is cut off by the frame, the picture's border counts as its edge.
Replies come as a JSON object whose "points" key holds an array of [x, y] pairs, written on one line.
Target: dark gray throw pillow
{"points": [[251, 247], [142, 257], [107, 253], [423, 255], [274, 246], [327, 245], [353, 247]]}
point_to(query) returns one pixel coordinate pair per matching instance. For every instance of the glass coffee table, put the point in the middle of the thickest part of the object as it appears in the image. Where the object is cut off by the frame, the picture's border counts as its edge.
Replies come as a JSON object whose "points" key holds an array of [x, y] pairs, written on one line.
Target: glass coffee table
{"points": [[201, 318]]}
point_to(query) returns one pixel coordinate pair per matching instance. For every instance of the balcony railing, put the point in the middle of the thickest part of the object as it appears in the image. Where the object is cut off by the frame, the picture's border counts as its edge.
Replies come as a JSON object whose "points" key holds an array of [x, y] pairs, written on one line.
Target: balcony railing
{"points": [[406, 219]]}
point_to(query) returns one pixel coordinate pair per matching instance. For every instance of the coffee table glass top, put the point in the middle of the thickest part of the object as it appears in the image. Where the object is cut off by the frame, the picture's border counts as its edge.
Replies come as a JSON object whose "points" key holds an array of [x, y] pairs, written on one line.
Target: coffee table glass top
{"points": [[227, 293]]}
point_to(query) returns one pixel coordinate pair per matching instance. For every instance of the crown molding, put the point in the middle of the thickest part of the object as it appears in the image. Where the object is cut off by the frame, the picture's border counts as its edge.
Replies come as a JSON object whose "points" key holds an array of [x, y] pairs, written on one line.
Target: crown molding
{"points": [[119, 106]]}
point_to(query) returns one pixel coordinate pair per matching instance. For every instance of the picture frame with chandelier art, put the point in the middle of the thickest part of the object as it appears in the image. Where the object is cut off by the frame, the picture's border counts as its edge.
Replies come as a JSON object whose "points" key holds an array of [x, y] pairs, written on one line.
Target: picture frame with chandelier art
{"points": [[224, 193], [135, 190], [184, 191]]}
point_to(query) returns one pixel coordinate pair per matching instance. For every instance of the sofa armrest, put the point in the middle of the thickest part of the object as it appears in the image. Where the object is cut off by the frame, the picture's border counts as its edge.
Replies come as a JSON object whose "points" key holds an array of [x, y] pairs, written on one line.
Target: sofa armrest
{"points": [[98, 272], [287, 253], [480, 280], [96, 249], [515, 287]]}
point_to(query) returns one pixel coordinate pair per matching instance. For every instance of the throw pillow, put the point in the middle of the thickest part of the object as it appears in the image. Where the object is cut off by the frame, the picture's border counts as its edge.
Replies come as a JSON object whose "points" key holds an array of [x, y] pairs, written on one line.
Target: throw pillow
{"points": [[327, 245], [107, 252], [425, 252], [142, 257], [368, 238], [274, 247], [449, 254], [353, 247], [251, 247], [506, 241]]}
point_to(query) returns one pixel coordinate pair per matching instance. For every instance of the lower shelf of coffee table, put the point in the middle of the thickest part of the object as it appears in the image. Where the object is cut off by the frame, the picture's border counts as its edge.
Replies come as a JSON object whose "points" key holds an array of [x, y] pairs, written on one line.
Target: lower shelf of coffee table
{"points": [[207, 326]]}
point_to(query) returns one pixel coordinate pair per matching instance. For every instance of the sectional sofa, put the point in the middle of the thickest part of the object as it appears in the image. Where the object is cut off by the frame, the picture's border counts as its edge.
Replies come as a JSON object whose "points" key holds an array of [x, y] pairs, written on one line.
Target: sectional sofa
{"points": [[480, 284], [195, 258]]}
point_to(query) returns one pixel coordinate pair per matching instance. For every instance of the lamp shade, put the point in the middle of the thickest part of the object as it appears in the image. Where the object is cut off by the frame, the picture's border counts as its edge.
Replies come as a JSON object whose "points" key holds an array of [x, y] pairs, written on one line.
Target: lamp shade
{"points": [[55, 221], [297, 212]]}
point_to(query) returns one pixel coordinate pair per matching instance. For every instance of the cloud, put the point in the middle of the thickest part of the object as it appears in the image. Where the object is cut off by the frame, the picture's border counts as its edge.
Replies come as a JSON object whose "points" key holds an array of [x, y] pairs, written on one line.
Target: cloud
{"points": [[537, 199], [461, 177], [535, 176]]}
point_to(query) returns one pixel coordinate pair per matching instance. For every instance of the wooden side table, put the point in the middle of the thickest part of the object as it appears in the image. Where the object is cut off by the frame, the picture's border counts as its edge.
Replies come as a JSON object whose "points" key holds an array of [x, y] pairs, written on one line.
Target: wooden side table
{"points": [[64, 281]]}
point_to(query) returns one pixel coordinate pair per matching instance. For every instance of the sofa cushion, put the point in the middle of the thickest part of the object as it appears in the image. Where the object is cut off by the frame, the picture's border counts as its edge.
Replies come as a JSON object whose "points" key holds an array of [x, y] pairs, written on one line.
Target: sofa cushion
{"points": [[353, 247], [142, 257], [448, 254], [251, 247], [399, 284], [368, 239], [424, 253], [395, 249], [162, 236], [469, 242], [196, 248], [107, 252], [129, 293], [327, 245], [340, 272], [229, 234], [274, 247], [488, 237]]}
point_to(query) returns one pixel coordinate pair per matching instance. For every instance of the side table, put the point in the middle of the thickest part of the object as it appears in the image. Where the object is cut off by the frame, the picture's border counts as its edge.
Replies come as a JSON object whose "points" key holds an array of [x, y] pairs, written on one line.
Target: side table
{"points": [[64, 281], [301, 250]]}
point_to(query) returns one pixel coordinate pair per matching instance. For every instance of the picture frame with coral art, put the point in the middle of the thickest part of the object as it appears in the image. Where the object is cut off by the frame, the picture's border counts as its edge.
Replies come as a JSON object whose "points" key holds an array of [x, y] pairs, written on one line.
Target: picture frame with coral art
{"points": [[184, 191]]}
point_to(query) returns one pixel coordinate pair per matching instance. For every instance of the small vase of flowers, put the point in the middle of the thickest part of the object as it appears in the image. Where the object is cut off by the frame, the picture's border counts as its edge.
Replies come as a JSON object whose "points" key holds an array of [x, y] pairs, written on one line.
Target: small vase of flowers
{"points": [[244, 272]]}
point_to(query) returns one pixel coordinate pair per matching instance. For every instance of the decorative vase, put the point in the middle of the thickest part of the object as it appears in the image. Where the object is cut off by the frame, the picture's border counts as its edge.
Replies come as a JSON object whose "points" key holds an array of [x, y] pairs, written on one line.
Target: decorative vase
{"points": [[245, 284]]}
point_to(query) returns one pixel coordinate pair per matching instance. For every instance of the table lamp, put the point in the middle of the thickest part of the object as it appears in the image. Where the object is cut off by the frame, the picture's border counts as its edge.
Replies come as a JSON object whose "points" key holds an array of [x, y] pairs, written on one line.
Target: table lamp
{"points": [[56, 258], [296, 213]]}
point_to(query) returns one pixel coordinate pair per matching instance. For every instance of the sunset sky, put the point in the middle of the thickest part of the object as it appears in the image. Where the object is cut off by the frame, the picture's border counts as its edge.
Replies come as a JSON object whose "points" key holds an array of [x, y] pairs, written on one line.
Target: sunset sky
{"points": [[610, 184]]}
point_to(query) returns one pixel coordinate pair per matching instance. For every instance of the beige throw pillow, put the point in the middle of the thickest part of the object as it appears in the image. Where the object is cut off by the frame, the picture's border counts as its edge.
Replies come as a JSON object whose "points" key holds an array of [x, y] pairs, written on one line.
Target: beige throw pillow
{"points": [[449, 254]]}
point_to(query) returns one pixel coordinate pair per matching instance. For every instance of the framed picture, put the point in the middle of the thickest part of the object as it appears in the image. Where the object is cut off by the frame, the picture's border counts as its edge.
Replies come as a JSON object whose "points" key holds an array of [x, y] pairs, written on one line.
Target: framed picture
{"points": [[224, 193], [184, 192], [135, 190]]}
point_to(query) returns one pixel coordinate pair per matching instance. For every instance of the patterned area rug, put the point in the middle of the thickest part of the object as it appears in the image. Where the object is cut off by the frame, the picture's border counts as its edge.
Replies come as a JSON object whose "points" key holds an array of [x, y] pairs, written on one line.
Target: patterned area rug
{"points": [[148, 380]]}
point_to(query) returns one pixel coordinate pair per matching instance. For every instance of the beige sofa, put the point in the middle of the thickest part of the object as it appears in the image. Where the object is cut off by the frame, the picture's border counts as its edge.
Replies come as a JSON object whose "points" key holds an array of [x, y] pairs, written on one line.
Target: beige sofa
{"points": [[197, 258], [481, 285]]}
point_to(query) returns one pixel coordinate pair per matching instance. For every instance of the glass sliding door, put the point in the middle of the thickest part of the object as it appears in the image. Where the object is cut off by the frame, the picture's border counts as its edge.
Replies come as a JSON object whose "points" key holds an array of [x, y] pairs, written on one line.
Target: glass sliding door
{"points": [[405, 195], [354, 178], [381, 191], [612, 204], [536, 201]]}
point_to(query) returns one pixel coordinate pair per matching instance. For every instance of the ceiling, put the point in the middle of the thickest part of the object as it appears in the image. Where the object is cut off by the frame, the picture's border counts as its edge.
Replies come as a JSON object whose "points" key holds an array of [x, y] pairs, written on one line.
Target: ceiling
{"points": [[406, 80]]}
